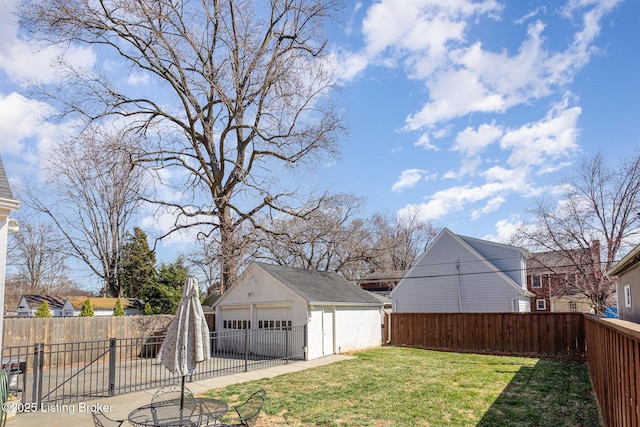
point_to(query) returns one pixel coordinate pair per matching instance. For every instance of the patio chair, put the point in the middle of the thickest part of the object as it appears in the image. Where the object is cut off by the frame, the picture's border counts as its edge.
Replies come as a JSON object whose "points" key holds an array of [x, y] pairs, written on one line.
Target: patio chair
{"points": [[171, 392], [101, 420], [247, 412]]}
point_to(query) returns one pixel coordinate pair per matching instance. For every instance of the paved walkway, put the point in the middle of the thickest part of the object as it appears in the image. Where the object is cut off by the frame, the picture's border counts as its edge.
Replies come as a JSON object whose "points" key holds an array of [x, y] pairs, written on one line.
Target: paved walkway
{"points": [[118, 407]]}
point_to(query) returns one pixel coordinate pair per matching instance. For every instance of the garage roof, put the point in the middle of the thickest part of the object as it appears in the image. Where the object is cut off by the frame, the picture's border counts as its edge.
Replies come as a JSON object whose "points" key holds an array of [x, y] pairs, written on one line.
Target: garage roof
{"points": [[318, 287]]}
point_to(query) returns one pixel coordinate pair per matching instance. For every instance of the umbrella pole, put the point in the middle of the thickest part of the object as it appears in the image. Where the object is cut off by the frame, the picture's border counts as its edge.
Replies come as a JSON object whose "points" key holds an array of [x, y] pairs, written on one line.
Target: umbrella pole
{"points": [[182, 394]]}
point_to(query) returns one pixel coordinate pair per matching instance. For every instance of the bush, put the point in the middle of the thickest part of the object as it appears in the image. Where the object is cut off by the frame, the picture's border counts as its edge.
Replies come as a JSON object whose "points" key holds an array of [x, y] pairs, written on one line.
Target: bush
{"points": [[43, 311], [118, 310], [87, 309], [148, 311]]}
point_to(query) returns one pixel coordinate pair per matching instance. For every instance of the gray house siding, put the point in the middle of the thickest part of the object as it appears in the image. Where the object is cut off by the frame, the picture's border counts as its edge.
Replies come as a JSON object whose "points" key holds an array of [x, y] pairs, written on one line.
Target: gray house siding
{"points": [[451, 276], [627, 274], [506, 258]]}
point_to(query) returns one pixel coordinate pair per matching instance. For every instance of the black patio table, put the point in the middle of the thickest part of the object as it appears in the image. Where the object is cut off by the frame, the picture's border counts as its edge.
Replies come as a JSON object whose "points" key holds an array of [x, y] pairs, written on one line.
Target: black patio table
{"points": [[197, 411]]}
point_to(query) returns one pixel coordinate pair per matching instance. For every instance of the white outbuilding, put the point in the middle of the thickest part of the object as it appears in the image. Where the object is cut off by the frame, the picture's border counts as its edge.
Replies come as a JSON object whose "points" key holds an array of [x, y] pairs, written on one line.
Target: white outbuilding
{"points": [[339, 316]]}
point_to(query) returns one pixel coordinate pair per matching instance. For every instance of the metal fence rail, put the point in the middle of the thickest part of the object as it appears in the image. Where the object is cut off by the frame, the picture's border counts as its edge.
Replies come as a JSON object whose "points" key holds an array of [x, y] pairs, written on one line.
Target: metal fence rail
{"points": [[51, 374]]}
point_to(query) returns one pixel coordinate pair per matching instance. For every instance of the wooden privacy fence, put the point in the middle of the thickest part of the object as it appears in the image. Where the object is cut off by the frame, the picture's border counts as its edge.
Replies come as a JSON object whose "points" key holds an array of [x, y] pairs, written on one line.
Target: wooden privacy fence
{"points": [[614, 364], [83, 332], [558, 335]]}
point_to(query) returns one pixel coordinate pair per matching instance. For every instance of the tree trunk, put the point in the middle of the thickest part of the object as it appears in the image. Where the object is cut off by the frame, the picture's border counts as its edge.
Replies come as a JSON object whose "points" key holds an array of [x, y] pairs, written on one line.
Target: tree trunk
{"points": [[228, 250]]}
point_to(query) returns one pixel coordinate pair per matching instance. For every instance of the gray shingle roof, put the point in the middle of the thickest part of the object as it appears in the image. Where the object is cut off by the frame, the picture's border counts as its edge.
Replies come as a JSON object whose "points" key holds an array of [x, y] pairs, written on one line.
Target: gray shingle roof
{"points": [[319, 286], [5, 188], [34, 301]]}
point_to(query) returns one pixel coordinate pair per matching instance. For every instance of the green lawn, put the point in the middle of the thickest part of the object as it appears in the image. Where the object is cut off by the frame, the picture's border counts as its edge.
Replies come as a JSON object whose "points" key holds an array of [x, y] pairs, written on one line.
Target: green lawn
{"points": [[392, 386]]}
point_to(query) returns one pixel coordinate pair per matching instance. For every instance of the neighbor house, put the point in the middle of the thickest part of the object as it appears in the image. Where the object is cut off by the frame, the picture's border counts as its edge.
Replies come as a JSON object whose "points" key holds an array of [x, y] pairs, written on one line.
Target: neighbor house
{"points": [[104, 306], [627, 275], [381, 282], [553, 277], [464, 275], [338, 315], [29, 304]]}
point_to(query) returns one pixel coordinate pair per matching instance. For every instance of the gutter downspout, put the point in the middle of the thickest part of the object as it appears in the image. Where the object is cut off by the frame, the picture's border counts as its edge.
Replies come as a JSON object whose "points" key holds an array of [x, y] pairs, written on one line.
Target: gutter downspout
{"points": [[458, 282]]}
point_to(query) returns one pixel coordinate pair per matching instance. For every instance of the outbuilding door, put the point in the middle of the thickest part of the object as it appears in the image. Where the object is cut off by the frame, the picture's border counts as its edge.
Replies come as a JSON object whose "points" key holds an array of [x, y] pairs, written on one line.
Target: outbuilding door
{"points": [[327, 331], [234, 319], [274, 325]]}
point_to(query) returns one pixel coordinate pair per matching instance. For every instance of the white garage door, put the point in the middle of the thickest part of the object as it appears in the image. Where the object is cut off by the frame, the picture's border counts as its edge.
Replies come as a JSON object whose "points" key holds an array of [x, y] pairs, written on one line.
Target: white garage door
{"points": [[234, 319], [274, 329]]}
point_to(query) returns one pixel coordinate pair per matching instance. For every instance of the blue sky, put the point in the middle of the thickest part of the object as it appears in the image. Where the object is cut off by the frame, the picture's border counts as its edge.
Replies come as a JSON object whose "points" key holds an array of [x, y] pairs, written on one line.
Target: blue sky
{"points": [[461, 112]]}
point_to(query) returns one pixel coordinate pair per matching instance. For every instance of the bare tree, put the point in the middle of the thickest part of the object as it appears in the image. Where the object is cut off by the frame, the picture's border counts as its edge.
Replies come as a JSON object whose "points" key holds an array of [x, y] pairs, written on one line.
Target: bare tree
{"points": [[204, 262], [329, 237], [97, 189], [596, 221], [401, 240], [38, 258], [239, 92], [332, 237]]}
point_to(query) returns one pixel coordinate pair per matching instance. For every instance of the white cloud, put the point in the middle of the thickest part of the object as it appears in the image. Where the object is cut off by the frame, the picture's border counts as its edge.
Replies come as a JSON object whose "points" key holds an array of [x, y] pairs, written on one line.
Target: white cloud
{"points": [[469, 166], [346, 66], [408, 179], [471, 142], [24, 59], [505, 229], [547, 140], [500, 182], [425, 142], [468, 78], [138, 79], [491, 206], [20, 119], [452, 200]]}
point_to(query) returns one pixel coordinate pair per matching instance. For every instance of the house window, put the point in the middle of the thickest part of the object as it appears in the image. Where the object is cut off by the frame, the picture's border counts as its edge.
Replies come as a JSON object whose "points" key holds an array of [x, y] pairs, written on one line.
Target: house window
{"points": [[541, 304], [536, 281], [573, 307], [627, 296]]}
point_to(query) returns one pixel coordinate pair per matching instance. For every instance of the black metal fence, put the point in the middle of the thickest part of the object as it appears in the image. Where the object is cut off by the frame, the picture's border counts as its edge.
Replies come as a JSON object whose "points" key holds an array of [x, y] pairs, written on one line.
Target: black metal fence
{"points": [[52, 374]]}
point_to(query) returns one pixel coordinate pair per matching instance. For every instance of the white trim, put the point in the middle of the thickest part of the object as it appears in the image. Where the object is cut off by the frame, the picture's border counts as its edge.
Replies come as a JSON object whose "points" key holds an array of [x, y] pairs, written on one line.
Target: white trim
{"points": [[544, 304]]}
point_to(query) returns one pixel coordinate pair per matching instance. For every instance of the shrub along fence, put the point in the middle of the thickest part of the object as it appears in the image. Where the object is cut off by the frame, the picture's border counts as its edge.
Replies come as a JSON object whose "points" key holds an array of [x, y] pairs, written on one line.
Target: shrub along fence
{"points": [[557, 335]]}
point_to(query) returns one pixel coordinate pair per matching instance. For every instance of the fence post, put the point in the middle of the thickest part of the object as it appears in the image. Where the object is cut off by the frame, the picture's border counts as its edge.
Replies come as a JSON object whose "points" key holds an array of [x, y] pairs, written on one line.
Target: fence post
{"points": [[36, 358], [246, 350], [40, 352], [304, 340], [112, 366], [286, 345]]}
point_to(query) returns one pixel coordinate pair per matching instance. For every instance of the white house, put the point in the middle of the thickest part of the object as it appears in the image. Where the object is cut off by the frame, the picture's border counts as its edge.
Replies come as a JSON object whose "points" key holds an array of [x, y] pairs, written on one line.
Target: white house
{"points": [[72, 306], [29, 304], [338, 314], [103, 306], [459, 274]]}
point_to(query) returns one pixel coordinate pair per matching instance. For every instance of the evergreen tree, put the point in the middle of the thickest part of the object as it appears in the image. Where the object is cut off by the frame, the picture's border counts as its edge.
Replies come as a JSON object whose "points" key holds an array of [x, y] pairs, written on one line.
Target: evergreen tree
{"points": [[173, 275], [118, 310], [87, 309], [137, 265], [164, 296], [148, 311], [43, 311]]}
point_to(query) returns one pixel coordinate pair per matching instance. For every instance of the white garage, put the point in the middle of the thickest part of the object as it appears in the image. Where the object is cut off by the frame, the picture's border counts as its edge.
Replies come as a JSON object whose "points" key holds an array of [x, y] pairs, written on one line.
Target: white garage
{"points": [[339, 316]]}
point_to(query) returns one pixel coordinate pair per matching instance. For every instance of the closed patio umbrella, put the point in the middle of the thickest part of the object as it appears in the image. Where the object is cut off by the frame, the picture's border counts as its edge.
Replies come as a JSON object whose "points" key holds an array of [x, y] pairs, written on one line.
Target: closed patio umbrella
{"points": [[187, 341]]}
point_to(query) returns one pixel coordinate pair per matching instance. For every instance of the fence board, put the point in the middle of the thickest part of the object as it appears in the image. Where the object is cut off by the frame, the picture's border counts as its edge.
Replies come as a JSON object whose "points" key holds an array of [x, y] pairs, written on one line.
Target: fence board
{"points": [[613, 356]]}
